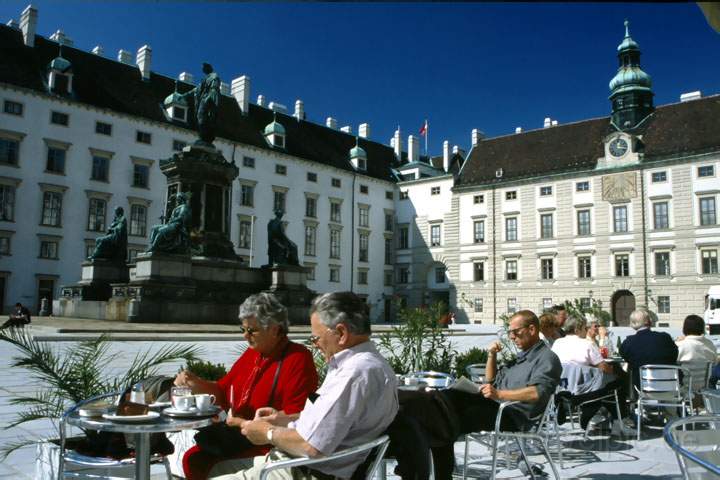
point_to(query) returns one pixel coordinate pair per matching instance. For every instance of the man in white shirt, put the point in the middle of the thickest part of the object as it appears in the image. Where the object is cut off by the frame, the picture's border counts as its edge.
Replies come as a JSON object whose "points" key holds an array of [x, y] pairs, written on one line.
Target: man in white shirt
{"points": [[355, 404], [575, 348], [695, 346]]}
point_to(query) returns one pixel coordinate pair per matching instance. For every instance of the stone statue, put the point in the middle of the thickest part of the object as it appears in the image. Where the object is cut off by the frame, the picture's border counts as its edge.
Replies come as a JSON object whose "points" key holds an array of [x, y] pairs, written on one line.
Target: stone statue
{"points": [[281, 250], [207, 102], [113, 245], [173, 236]]}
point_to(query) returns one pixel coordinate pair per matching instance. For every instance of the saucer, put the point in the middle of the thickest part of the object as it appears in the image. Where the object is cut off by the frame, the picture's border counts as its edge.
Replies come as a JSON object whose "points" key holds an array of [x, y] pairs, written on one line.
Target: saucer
{"points": [[191, 413], [131, 418]]}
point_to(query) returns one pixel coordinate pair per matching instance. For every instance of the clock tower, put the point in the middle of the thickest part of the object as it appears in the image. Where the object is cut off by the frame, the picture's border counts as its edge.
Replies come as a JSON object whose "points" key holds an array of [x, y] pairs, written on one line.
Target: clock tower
{"points": [[631, 88]]}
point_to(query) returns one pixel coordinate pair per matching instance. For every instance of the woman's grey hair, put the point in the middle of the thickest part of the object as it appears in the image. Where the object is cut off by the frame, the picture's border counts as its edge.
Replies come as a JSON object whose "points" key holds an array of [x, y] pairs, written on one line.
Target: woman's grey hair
{"points": [[266, 309], [343, 307], [574, 324], [641, 317]]}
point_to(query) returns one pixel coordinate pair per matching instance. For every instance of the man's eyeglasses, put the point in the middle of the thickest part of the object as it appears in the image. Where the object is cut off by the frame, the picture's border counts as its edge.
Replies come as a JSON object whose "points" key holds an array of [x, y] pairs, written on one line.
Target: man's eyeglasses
{"points": [[249, 331], [313, 339], [514, 332]]}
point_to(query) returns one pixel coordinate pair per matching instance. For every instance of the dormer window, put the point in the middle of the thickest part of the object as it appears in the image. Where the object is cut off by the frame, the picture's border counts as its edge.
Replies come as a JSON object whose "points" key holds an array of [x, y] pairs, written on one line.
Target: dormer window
{"points": [[176, 107], [358, 157], [275, 134], [179, 113], [60, 75]]}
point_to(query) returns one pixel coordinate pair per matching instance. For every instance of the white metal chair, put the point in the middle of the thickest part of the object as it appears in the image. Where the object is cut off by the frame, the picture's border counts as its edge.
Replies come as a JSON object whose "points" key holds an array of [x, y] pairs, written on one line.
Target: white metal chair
{"points": [[661, 386], [541, 431], [699, 377], [380, 445], [476, 372], [85, 461], [432, 380], [711, 397], [696, 442]]}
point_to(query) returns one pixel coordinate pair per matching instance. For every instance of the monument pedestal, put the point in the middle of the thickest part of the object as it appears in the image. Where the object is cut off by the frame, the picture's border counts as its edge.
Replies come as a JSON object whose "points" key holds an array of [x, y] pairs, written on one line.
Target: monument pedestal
{"points": [[289, 284], [95, 283]]}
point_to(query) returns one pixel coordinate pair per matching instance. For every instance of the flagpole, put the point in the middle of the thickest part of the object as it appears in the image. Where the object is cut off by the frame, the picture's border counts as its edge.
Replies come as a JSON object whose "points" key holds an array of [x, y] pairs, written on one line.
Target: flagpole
{"points": [[427, 134]]}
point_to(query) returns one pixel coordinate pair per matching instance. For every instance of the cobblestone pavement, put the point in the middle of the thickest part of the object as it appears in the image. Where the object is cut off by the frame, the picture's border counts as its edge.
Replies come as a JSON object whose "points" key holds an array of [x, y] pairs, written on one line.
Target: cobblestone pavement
{"points": [[597, 459]]}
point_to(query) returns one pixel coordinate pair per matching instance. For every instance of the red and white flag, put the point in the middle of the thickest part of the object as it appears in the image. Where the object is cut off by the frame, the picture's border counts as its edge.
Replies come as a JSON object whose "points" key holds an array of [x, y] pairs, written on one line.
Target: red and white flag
{"points": [[423, 129]]}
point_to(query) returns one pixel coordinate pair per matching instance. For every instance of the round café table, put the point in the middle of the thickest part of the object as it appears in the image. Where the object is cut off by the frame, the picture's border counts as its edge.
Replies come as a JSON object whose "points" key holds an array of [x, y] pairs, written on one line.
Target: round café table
{"points": [[141, 433]]}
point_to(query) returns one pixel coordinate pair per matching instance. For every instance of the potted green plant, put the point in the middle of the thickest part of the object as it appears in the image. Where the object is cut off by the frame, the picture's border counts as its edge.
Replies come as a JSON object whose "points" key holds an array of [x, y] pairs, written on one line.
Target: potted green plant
{"points": [[473, 356]]}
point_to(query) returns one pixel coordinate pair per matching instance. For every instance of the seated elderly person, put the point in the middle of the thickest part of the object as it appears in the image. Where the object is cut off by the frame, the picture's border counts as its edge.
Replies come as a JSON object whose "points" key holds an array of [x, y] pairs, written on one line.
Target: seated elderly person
{"points": [[356, 403], [548, 328], [272, 372], [531, 380], [576, 348], [646, 347], [694, 346]]}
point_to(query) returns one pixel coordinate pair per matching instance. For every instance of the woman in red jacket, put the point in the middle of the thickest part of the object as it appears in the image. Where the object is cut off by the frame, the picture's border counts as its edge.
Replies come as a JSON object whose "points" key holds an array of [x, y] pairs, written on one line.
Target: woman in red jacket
{"points": [[272, 372]]}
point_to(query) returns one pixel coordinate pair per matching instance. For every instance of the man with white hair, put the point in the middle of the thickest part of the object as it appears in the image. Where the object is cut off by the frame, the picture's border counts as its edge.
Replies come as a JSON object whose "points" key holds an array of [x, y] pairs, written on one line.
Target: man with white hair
{"points": [[647, 346]]}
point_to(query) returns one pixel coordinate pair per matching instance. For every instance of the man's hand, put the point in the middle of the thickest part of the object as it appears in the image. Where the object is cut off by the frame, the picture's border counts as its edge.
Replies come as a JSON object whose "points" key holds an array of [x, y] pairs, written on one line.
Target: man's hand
{"points": [[267, 414], [488, 391], [256, 431], [495, 347], [234, 421], [186, 379]]}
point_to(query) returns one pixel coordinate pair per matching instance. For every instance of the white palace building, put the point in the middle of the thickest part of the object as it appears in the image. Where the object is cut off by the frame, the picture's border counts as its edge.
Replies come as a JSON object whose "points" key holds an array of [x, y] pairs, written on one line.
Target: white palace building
{"points": [[622, 208]]}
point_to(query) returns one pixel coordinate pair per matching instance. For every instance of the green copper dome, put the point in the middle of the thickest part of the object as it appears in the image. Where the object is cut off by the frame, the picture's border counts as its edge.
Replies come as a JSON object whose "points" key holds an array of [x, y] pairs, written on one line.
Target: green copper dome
{"points": [[60, 64], [627, 77], [274, 128], [358, 152], [175, 99], [628, 43]]}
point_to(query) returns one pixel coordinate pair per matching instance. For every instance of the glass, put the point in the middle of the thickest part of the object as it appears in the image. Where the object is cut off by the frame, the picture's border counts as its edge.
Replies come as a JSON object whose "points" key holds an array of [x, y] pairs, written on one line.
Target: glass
{"points": [[249, 331], [179, 392], [514, 332]]}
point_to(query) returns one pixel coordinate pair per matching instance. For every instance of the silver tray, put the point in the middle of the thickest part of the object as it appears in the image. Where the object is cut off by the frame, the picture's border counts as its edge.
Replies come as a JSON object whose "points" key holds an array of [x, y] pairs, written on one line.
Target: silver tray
{"points": [[169, 412]]}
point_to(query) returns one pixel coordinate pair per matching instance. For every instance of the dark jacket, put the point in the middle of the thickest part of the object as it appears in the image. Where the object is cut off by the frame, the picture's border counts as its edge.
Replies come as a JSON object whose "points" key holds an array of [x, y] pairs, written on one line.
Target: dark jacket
{"points": [[648, 347]]}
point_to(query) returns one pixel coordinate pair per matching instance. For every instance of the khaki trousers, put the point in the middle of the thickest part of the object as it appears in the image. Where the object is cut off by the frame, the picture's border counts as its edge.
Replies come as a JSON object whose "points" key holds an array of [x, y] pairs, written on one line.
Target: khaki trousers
{"points": [[249, 469]]}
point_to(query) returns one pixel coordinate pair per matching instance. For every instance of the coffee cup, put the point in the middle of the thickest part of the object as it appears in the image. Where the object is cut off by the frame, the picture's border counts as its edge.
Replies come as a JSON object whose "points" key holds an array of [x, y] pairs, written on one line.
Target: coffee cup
{"points": [[183, 402], [204, 401], [411, 381]]}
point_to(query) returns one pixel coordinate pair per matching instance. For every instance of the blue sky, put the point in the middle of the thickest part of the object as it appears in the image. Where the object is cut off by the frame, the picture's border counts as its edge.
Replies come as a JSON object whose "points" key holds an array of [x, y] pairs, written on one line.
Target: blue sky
{"points": [[463, 66]]}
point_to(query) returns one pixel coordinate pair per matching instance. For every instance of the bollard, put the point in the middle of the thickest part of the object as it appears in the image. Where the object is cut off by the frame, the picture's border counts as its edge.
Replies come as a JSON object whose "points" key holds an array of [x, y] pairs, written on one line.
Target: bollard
{"points": [[44, 307], [133, 310]]}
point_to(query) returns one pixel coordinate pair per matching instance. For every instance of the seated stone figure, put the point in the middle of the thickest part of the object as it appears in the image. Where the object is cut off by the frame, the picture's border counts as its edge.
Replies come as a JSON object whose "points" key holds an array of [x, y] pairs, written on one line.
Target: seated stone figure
{"points": [[113, 245], [281, 250], [174, 236]]}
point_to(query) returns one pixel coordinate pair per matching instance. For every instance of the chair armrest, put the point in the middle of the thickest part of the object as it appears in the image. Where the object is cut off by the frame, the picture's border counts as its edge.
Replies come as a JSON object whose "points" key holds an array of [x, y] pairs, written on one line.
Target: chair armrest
{"points": [[498, 417]]}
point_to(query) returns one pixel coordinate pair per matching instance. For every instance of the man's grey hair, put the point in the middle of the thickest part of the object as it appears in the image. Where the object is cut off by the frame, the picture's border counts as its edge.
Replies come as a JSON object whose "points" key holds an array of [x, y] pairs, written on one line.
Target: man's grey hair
{"points": [[343, 307], [266, 309], [574, 324], [642, 317]]}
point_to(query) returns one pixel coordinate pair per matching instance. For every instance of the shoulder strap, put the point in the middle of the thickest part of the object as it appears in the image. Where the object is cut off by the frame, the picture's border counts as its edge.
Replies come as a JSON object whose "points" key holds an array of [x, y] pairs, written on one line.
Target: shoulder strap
{"points": [[277, 375]]}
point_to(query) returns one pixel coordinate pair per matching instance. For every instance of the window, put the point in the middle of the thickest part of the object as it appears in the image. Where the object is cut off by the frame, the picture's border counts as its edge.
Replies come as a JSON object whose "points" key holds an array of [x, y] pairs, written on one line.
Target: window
{"points": [[59, 118], [511, 270], [663, 303], [100, 168], [364, 189], [7, 203], [52, 209], [364, 216], [248, 162], [334, 274], [660, 216], [546, 225], [280, 169], [709, 262], [512, 305], [334, 243], [387, 278], [310, 269], [547, 303], [96, 215], [478, 199], [478, 305], [434, 235], [707, 211], [404, 237], [178, 145], [389, 195], [582, 186], [389, 220], [247, 195], [335, 182], [388, 251], [278, 200], [141, 175], [434, 190], [404, 275], [620, 222], [511, 229], [622, 265], [311, 207], [49, 249], [103, 128], [245, 237], [404, 195], [479, 272], [546, 268], [583, 219], [138, 220], [363, 247], [545, 191], [511, 195], [9, 149], [55, 160], [179, 113], [335, 212], [13, 108], [143, 137], [585, 302], [310, 240], [706, 171], [362, 277], [5, 244], [440, 275], [658, 177], [662, 264], [479, 231], [584, 267]]}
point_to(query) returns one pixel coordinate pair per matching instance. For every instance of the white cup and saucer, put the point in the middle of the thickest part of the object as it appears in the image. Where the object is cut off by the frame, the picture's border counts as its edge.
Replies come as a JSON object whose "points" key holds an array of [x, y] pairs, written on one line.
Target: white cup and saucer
{"points": [[204, 401]]}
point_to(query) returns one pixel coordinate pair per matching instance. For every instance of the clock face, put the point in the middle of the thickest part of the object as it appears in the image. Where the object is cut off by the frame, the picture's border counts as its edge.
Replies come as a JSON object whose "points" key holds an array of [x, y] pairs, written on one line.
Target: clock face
{"points": [[618, 147]]}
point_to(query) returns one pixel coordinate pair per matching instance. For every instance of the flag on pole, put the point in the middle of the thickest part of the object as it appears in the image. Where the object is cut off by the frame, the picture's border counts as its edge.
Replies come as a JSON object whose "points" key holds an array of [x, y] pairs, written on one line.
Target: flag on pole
{"points": [[423, 129]]}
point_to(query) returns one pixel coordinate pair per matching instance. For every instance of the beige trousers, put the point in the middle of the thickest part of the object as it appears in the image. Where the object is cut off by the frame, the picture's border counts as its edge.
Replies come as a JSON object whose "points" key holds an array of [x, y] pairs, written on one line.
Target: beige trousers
{"points": [[249, 469]]}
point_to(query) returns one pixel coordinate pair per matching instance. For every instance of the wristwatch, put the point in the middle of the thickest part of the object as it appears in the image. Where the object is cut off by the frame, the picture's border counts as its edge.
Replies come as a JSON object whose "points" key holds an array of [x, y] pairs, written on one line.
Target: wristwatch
{"points": [[269, 436]]}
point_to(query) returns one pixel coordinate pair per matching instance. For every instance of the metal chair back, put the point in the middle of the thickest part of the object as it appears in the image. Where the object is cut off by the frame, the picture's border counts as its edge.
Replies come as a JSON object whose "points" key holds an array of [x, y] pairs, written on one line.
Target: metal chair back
{"points": [[664, 379], [711, 397], [476, 372], [433, 380], [695, 443], [700, 373]]}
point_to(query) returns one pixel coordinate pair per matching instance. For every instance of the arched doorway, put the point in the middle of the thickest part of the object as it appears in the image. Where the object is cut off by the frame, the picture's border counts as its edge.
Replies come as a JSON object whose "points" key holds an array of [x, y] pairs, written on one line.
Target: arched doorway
{"points": [[623, 303]]}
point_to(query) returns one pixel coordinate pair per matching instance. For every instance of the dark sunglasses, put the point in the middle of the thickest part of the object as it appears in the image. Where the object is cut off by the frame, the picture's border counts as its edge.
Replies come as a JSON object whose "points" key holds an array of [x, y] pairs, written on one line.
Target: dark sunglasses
{"points": [[249, 331]]}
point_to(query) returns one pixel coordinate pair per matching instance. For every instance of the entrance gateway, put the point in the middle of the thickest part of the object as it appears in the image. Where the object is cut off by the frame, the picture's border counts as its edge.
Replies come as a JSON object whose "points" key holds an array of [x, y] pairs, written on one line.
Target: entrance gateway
{"points": [[623, 304]]}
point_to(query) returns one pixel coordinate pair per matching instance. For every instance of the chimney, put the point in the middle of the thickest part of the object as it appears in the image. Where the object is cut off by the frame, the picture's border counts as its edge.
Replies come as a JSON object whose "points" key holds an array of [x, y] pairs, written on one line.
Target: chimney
{"points": [[60, 37], [477, 135], [28, 25], [554, 123], [277, 107], [330, 122], [413, 148], [446, 155], [455, 150], [186, 77], [143, 57], [397, 144], [518, 129], [299, 110], [12, 23], [547, 122], [261, 100], [124, 57], [98, 50], [240, 89], [364, 130], [224, 88], [346, 129], [392, 143], [686, 97]]}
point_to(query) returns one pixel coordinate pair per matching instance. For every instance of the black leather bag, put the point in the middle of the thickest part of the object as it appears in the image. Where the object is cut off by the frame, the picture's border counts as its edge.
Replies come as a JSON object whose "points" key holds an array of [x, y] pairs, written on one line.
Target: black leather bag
{"points": [[222, 440]]}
